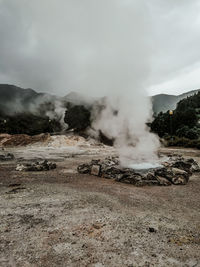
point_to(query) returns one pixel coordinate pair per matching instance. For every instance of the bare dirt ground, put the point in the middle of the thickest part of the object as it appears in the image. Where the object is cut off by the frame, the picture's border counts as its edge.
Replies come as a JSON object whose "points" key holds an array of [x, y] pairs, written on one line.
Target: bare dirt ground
{"points": [[62, 218]]}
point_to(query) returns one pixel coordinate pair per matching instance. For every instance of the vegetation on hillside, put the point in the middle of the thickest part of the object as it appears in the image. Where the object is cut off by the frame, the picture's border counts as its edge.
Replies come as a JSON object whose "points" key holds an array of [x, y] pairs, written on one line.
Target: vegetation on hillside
{"points": [[28, 123], [164, 102], [77, 117], [24, 111], [183, 125]]}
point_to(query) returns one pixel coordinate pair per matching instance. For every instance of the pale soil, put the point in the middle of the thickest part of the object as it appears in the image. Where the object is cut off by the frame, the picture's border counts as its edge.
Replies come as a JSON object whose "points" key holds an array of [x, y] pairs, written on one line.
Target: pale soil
{"points": [[61, 218]]}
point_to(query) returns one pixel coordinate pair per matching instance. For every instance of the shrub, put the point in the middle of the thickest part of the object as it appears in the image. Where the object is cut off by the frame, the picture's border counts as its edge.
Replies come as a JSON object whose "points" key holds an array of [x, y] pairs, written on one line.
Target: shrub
{"points": [[77, 117], [184, 142], [28, 124]]}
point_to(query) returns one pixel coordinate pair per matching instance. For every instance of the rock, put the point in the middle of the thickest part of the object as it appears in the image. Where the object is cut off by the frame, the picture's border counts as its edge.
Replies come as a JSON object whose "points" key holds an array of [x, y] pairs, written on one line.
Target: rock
{"points": [[181, 164], [152, 182], [180, 176], [95, 170], [111, 172], [6, 157], [166, 164], [195, 168], [20, 167], [194, 165], [37, 166], [131, 178], [177, 171], [151, 176], [84, 168], [152, 230], [179, 180], [163, 181], [164, 172]]}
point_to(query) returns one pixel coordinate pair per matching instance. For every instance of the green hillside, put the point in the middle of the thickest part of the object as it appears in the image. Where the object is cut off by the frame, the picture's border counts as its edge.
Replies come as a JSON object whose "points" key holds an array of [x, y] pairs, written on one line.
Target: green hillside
{"points": [[183, 125], [164, 102]]}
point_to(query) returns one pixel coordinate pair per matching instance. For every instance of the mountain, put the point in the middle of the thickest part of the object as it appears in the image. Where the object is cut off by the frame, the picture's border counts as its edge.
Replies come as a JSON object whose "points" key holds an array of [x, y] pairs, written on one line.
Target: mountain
{"points": [[164, 102], [79, 99], [14, 99]]}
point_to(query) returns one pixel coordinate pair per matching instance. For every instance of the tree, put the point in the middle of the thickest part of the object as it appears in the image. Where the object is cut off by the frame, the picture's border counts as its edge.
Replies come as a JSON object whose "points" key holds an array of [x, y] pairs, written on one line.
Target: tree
{"points": [[77, 117]]}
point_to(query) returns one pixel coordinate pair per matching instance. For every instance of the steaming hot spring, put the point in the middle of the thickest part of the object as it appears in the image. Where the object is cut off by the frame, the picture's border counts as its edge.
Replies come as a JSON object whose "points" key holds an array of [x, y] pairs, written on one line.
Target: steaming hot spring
{"points": [[137, 162], [173, 169], [145, 166]]}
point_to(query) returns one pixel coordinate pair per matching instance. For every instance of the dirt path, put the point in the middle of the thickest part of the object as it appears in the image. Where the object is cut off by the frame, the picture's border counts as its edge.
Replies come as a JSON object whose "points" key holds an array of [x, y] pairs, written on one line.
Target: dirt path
{"points": [[61, 218]]}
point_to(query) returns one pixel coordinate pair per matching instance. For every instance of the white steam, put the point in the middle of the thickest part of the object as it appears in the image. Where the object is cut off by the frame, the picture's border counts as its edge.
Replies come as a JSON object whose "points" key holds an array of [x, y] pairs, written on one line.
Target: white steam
{"points": [[58, 113], [124, 119], [116, 64], [99, 48]]}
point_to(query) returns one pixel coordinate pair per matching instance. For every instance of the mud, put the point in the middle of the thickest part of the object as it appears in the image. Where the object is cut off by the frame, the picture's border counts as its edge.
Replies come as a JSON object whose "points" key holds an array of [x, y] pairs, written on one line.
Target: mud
{"points": [[62, 218]]}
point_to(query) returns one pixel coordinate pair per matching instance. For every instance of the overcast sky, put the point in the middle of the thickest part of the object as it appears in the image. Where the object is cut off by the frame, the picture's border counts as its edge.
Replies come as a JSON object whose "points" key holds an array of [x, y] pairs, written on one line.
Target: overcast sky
{"points": [[56, 45]]}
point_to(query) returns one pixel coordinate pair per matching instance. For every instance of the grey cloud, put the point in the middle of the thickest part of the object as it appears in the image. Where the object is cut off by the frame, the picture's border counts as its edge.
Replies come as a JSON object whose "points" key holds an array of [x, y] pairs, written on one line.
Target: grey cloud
{"points": [[116, 48], [176, 38], [60, 45]]}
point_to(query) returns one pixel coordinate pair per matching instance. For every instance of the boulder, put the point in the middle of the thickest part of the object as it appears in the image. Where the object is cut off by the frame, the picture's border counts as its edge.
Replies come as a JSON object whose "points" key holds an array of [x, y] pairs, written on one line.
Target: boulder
{"points": [[165, 172], [6, 157], [163, 181], [95, 170], [36, 166], [130, 178], [194, 165], [179, 180], [84, 168]]}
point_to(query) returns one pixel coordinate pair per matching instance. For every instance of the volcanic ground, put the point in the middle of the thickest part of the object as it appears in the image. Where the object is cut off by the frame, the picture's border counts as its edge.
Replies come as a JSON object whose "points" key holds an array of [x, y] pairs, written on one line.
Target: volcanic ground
{"points": [[63, 218]]}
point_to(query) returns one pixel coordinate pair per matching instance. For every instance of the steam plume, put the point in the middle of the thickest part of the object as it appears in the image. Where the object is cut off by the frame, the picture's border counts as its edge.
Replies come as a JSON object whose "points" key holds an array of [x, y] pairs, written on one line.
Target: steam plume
{"points": [[105, 52]]}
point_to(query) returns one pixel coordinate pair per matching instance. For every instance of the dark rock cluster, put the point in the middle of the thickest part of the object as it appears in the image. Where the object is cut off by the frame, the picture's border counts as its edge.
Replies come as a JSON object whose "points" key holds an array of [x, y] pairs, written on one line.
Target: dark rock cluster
{"points": [[176, 170], [36, 166], [6, 157]]}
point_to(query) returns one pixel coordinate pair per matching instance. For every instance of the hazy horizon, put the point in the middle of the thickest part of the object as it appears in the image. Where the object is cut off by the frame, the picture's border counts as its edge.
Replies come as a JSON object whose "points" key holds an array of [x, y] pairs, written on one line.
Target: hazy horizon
{"points": [[55, 46], [64, 93]]}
